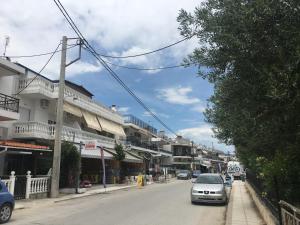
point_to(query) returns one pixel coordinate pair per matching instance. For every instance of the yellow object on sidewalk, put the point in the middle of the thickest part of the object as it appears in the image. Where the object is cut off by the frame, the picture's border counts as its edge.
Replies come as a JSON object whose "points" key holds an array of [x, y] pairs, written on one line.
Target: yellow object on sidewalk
{"points": [[140, 180]]}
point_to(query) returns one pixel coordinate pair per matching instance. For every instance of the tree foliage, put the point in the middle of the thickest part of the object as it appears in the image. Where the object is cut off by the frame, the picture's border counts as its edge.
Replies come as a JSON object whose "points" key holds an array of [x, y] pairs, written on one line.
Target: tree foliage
{"points": [[252, 52], [69, 165], [120, 152]]}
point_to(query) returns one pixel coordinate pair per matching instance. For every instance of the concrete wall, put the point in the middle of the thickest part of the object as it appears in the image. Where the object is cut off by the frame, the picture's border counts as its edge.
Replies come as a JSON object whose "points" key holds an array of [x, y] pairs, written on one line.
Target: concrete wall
{"points": [[262, 208]]}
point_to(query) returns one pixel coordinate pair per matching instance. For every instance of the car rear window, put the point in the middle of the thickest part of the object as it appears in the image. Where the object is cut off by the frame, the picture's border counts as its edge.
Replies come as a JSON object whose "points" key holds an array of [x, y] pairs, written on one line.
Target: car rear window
{"points": [[209, 180]]}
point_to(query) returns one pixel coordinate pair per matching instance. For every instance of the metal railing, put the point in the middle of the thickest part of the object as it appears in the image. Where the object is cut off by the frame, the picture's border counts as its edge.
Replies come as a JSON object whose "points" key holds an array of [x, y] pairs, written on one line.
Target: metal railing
{"points": [[132, 140], [289, 213], [9, 103], [268, 198]]}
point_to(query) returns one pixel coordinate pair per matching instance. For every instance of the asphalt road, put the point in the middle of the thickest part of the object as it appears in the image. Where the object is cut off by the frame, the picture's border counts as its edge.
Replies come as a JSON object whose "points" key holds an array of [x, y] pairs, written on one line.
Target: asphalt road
{"points": [[158, 204]]}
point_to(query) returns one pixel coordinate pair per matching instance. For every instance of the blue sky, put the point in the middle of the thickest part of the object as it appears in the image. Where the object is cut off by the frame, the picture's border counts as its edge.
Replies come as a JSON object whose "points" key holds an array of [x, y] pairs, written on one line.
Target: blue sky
{"points": [[115, 27]]}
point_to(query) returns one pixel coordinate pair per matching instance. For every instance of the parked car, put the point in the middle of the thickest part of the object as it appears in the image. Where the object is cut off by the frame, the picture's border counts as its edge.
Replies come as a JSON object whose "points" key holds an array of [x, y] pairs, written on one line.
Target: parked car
{"points": [[7, 203], [184, 175], [196, 173], [209, 188]]}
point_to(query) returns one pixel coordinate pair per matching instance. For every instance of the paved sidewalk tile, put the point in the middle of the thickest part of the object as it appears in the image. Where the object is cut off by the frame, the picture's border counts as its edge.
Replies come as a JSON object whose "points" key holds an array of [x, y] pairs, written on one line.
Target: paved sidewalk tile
{"points": [[241, 209]]}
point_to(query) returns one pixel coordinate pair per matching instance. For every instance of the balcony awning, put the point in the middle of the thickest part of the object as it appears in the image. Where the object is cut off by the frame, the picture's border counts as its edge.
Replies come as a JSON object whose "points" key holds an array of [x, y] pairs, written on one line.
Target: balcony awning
{"points": [[91, 120], [72, 109], [111, 127]]}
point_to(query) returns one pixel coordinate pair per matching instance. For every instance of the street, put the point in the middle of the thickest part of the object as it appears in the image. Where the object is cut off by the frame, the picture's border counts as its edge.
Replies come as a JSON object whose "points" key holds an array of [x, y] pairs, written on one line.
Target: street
{"points": [[158, 204]]}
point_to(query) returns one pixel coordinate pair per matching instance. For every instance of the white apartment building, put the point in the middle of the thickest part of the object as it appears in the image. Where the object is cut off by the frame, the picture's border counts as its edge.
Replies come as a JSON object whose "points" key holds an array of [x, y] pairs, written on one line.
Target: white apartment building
{"points": [[144, 140], [33, 121]]}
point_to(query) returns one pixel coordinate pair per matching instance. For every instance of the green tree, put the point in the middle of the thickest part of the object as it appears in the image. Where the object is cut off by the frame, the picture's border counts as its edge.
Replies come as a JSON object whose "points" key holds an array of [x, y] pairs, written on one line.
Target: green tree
{"points": [[120, 155], [69, 165], [251, 50]]}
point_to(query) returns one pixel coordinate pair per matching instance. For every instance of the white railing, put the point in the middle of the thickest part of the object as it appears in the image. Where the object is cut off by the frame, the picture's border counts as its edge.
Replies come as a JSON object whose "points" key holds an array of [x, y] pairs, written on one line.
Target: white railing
{"points": [[36, 185], [290, 214], [46, 131], [34, 129], [39, 85], [39, 185], [10, 183], [50, 89]]}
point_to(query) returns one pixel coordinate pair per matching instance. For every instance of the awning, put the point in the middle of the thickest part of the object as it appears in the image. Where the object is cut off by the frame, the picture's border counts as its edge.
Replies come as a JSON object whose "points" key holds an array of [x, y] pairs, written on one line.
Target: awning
{"points": [[111, 127], [72, 109], [22, 148], [91, 120], [129, 157], [95, 154]]}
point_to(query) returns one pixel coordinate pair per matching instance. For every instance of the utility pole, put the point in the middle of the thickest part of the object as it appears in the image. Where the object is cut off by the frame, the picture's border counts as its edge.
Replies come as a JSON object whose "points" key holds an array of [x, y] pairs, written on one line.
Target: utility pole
{"points": [[59, 123]]}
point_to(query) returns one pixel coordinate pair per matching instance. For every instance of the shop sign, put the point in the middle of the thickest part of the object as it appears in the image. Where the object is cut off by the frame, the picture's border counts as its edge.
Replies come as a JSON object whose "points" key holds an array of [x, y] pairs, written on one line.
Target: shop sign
{"points": [[91, 145]]}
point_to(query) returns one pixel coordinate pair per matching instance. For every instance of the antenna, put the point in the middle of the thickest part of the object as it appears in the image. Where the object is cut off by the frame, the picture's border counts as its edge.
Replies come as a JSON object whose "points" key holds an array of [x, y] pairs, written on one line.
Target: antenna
{"points": [[6, 44]]}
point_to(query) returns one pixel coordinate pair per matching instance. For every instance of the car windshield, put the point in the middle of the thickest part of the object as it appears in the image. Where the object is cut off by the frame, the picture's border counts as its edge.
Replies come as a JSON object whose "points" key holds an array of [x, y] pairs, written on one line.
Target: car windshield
{"points": [[183, 171], [209, 180]]}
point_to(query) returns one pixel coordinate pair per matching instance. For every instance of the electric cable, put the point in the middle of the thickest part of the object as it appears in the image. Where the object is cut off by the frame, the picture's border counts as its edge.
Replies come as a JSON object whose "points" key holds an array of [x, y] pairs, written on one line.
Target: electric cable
{"points": [[105, 65], [53, 53], [37, 55]]}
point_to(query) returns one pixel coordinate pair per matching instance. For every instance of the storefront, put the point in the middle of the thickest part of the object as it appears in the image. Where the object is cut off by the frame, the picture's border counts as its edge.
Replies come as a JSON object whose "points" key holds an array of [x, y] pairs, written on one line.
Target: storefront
{"points": [[21, 157], [92, 169]]}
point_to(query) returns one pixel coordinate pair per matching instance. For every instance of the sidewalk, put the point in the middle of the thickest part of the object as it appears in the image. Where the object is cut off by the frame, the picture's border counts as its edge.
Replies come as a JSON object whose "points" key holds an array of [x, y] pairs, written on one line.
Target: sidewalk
{"points": [[241, 209]]}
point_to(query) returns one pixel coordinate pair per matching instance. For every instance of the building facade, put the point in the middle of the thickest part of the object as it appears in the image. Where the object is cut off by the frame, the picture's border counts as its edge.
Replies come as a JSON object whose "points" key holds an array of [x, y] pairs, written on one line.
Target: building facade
{"points": [[28, 117]]}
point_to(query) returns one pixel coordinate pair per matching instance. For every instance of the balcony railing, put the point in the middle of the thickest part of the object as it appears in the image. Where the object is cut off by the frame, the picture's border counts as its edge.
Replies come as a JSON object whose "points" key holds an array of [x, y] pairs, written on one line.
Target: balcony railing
{"points": [[45, 87], [46, 131], [140, 143], [9, 103]]}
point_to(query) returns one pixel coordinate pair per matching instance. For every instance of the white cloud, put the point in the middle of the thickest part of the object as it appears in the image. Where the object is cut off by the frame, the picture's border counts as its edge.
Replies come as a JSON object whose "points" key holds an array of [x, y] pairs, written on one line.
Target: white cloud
{"points": [[178, 95], [126, 27], [123, 110], [203, 134], [199, 108], [147, 114]]}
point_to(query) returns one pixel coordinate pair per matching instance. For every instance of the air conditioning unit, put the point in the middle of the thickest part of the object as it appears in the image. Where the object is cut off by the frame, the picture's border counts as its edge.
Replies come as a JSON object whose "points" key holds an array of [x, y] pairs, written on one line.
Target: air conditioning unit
{"points": [[44, 103]]}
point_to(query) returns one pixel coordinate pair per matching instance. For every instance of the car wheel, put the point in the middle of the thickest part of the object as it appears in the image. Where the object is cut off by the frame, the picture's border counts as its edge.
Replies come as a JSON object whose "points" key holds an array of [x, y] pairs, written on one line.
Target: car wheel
{"points": [[5, 213]]}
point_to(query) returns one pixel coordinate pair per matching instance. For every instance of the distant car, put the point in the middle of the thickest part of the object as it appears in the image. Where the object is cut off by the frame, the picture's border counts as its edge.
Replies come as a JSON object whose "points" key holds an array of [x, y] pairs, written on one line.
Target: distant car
{"points": [[209, 188], [7, 203], [196, 173], [183, 175]]}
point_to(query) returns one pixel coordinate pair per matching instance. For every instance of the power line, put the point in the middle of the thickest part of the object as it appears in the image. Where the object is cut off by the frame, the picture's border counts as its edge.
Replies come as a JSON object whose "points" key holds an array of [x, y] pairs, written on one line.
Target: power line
{"points": [[145, 53], [145, 69], [37, 55], [53, 53], [105, 65]]}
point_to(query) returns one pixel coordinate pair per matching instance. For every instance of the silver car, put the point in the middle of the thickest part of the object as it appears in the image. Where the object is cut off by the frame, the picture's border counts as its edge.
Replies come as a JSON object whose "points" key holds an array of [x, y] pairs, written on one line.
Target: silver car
{"points": [[209, 188]]}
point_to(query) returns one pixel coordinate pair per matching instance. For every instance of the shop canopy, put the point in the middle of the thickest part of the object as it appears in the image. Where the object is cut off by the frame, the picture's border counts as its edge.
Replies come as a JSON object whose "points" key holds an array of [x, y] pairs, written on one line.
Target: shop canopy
{"points": [[91, 120], [72, 109], [111, 127], [18, 146], [129, 157]]}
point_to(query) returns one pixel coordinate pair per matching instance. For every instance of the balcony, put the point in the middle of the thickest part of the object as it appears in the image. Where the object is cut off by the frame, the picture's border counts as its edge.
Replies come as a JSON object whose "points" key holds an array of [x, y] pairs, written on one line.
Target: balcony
{"points": [[132, 140], [45, 88], [9, 108], [28, 130], [140, 123]]}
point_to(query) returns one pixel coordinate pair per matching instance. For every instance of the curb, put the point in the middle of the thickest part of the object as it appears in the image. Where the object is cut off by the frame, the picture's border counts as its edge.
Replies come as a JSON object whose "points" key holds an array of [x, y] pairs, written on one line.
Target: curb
{"points": [[91, 194], [18, 207], [228, 213]]}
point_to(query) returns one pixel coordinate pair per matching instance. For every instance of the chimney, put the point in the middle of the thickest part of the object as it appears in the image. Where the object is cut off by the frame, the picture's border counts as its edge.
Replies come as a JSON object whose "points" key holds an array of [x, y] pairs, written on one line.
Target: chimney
{"points": [[113, 108]]}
